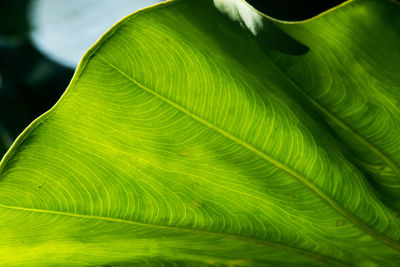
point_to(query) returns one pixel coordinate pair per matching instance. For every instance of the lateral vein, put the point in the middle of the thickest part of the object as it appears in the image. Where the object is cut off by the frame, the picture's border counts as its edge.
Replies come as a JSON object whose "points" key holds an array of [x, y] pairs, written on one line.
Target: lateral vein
{"points": [[385, 158], [379, 236], [307, 253]]}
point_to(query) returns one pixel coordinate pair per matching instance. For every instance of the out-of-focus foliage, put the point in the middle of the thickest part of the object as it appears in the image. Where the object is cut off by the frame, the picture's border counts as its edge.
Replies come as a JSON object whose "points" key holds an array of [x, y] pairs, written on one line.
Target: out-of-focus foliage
{"points": [[29, 82]]}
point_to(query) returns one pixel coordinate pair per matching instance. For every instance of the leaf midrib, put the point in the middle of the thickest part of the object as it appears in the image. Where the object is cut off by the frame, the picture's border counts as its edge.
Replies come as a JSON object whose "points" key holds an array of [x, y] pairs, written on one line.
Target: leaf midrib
{"points": [[345, 213], [276, 245]]}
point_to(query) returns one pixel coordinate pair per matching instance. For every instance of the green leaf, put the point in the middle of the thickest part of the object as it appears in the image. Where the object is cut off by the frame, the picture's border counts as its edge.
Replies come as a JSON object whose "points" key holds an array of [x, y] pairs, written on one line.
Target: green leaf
{"points": [[351, 77], [179, 141]]}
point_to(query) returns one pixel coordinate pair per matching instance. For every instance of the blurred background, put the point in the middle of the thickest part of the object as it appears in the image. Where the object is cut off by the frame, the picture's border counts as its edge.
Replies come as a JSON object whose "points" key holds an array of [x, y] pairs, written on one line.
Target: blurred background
{"points": [[42, 41]]}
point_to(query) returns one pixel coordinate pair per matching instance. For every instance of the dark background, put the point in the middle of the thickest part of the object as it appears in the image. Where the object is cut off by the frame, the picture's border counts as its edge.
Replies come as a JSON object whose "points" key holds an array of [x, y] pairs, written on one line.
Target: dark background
{"points": [[30, 84], [293, 9]]}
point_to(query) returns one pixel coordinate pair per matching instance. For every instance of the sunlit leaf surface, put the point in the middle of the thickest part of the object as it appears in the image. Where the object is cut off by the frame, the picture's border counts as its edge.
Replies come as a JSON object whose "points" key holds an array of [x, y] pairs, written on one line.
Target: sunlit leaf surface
{"points": [[187, 138]]}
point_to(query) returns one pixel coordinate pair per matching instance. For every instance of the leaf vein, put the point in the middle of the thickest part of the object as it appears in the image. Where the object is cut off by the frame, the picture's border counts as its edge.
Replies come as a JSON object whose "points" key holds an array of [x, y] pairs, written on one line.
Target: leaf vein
{"points": [[357, 222]]}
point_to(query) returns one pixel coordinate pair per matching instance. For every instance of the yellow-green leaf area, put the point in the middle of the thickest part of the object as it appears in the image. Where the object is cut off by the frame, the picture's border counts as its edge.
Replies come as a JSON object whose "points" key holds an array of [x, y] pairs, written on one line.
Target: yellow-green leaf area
{"points": [[180, 141]]}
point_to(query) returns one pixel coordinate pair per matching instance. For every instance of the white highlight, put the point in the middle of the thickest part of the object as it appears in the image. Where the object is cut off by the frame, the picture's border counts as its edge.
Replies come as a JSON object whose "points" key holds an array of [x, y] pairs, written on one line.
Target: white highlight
{"points": [[239, 11], [65, 29]]}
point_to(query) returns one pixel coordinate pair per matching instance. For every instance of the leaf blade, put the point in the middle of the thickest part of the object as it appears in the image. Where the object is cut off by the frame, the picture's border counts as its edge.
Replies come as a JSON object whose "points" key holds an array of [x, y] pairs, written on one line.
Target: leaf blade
{"points": [[359, 103], [121, 153]]}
